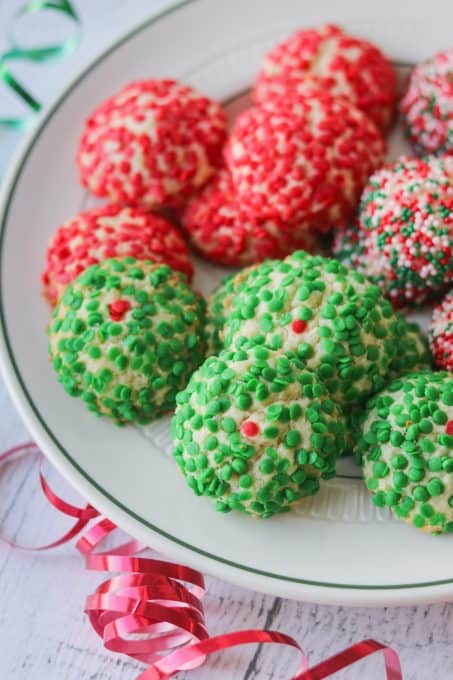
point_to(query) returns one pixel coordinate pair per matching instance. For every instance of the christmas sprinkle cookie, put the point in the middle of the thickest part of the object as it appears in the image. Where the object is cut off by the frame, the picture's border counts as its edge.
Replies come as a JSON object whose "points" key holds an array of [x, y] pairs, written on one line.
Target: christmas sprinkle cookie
{"points": [[329, 60], [427, 106], [307, 165], [152, 143], [413, 350], [125, 337], [406, 229], [333, 319], [406, 448], [441, 334], [111, 231], [222, 231], [256, 432], [218, 309]]}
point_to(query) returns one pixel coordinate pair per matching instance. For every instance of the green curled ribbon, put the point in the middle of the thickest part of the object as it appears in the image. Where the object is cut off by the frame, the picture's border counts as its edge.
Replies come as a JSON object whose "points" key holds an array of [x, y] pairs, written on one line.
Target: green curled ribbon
{"points": [[18, 52]]}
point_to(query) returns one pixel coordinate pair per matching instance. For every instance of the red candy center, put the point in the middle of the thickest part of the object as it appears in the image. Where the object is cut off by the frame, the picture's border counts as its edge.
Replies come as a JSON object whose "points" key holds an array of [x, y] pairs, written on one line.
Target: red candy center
{"points": [[449, 427], [250, 429], [298, 326], [118, 309]]}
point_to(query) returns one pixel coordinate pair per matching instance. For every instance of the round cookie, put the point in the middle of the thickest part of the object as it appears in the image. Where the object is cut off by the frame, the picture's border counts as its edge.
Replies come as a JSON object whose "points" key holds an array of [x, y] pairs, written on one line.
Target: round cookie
{"points": [[427, 105], [222, 231], [152, 143], [218, 308], [406, 229], [125, 337], [110, 231], [441, 334], [406, 449], [306, 165], [413, 350], [256, 432], [331, 61], [336, 322]]}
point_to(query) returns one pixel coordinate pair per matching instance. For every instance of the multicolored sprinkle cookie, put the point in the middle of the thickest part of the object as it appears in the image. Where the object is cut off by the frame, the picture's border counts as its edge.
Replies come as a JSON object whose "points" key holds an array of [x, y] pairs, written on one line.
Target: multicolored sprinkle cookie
{"points": [[152, 143], [307, 164], [441, 334], [111, 231], [406, 229], [218, 309], [125, 337], [333, 319], [406, 448], [222, 231], [329, 60], [427, 106], [256, 432]]}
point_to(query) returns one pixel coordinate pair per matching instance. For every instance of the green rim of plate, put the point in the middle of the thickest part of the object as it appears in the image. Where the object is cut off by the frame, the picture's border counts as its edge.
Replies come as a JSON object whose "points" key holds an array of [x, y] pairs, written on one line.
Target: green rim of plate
{"points": [[10, 195]]}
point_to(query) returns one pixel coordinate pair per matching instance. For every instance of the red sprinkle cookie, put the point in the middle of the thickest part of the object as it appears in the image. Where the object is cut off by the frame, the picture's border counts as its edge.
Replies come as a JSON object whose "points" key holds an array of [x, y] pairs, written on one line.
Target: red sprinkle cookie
{"points": [[406, 229], [221, 230], [111, 231], [308, 165], [328, 59], [441, 334], [152, 143], [427, 105]]}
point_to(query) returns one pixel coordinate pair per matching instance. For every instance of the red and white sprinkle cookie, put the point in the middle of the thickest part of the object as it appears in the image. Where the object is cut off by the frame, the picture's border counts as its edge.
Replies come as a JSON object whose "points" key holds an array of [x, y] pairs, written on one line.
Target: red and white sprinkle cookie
{"points": [[441, 334], [332, 61], [152, 143], [308, 165], [406, 229], [111, 231], [221, 231], [427, 105]]}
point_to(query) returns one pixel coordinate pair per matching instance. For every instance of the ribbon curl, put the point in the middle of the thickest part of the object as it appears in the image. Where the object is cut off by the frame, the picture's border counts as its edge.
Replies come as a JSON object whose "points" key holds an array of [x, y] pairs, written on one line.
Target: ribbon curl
{"points": [[162, 601], [43, 53]]}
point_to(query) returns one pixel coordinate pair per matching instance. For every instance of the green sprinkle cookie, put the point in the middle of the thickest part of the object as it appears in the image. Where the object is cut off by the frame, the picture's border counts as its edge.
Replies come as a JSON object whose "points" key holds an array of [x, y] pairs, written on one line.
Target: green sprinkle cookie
{"points": [[333, 319], [218, 308], [406, 448], [413, 350], [256, 432], [125, 337]]}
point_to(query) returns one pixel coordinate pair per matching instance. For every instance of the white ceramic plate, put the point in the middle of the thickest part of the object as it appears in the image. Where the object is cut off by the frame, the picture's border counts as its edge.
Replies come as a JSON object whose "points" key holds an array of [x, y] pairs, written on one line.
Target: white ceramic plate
{"points": [[336, 548]]}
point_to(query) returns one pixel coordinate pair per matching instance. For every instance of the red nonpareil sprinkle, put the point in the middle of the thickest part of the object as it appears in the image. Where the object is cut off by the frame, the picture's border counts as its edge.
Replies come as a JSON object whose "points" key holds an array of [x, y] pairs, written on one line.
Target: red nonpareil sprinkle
{"points": [[250, 429], [118, 309], [449, 427], [298, 326]]}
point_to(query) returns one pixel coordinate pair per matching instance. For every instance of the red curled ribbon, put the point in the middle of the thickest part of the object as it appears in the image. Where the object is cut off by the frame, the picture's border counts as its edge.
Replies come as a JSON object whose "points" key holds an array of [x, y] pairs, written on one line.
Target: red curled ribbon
{"points": [[162, 601]]}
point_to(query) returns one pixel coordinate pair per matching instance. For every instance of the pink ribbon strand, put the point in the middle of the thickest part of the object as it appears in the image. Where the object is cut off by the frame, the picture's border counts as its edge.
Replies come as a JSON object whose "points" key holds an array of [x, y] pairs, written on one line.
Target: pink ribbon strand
{"points": [[162, 603]]}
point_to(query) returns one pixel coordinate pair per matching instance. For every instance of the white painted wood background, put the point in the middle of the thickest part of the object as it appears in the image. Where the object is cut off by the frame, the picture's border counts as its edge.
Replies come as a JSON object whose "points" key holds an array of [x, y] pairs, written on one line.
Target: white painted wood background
{"points": [[44, 634]]}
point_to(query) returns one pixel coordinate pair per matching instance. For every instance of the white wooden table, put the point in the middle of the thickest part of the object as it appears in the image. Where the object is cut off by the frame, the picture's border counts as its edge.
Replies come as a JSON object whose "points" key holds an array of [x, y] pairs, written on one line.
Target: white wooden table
{"points": [[44, 634]]}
